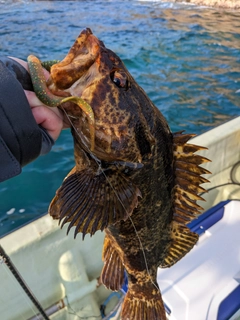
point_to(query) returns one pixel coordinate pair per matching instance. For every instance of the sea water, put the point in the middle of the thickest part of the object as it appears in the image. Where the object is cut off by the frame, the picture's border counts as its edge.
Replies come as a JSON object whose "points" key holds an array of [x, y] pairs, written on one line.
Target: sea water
{"points": [[186, 58]]}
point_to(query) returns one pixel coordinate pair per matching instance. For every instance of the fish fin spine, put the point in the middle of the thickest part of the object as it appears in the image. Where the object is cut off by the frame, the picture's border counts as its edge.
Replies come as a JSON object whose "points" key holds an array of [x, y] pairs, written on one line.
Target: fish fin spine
{"points": [[143, 302], [91, 201], [188, 177], [112, 275]]}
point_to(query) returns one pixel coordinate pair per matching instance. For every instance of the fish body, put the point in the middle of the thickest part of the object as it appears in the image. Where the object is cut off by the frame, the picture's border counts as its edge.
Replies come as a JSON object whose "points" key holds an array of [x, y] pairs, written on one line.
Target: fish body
{"points": [[139, 183]]}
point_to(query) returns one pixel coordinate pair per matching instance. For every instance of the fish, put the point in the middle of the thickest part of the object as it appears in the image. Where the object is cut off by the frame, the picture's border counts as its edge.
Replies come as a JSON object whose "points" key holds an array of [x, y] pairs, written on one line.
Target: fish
{"points": [[138, 182]]}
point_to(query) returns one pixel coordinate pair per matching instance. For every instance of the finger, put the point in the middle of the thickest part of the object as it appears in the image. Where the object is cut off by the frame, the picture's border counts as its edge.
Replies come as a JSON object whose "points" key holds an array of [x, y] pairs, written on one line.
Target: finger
{"points": [[25, 65], [35, 102], [32, 99], [49, 120]]}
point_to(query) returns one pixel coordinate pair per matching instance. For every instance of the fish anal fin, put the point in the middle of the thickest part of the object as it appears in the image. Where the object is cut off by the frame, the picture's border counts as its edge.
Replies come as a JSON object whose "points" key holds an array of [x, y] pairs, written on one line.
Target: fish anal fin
{"points": [[143, 302], [112, 275], [91, 200], [188, 177], [183, 241]]}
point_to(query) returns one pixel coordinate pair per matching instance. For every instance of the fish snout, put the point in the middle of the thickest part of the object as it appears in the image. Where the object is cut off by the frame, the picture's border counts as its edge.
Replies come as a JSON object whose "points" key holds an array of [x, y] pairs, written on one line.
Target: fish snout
{"points": [[77, 62], [86, 31]]}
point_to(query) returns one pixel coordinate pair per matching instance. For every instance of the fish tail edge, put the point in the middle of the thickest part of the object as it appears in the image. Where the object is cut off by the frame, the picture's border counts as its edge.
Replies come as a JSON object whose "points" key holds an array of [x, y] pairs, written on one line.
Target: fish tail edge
{"points": [[143, 302]]}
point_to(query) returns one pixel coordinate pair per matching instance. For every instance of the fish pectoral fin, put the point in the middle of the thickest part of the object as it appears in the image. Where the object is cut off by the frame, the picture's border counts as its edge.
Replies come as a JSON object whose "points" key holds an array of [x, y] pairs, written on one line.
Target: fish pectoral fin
{"points": [[183, 241], [91, 201], [112, 275]]}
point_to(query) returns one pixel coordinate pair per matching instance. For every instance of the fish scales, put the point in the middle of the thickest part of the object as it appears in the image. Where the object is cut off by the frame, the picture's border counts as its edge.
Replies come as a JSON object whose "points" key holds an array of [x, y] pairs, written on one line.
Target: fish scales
{"points": [[133, 178]]}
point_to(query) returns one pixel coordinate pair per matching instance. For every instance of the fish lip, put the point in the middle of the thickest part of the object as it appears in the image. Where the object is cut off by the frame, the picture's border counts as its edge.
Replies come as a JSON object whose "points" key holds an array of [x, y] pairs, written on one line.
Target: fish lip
{"points": [[86, 31], [82, 55], [87, 40]]}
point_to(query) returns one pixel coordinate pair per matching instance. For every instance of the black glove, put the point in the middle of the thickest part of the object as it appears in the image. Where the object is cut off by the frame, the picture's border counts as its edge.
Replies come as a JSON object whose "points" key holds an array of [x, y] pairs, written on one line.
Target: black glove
{"points": [[18, 72], [21, 139]]}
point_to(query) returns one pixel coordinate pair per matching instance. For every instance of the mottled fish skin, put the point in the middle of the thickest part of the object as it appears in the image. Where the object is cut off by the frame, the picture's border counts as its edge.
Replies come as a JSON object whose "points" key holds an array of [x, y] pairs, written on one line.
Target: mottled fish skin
{"points": [[140, 182]]}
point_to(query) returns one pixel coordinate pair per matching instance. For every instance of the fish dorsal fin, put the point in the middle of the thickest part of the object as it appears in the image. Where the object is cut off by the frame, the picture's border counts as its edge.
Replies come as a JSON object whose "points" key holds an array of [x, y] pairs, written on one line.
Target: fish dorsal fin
{"points": [[188, 177], [91, 200], [112, 275], [187, 187]]}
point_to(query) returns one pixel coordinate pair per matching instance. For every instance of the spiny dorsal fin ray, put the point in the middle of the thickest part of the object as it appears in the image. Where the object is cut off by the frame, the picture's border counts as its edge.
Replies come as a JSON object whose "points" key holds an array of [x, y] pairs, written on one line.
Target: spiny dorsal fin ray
{"points": [[181, 139], [106, 198], [188, 186], [190, 158], [112, 275], [183, 241], [190, 167], [187, 194], [186, 204], [182, 220], [186, 213], [189, 148], [187, 178], [190, 176]]}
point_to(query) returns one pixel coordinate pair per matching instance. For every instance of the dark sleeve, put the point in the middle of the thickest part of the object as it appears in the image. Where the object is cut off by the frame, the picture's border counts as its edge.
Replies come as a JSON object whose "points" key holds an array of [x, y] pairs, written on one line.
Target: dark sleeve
{"points": [[21, 139]]}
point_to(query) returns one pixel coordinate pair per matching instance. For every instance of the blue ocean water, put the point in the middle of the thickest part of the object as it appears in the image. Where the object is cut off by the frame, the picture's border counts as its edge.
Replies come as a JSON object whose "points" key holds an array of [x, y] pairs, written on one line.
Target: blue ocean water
{"points": [[185, 57]]}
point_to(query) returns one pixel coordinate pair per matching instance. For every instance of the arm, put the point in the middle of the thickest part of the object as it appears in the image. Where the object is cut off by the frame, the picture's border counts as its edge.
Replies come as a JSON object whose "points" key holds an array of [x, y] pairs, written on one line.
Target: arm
{"points": [[21, 139]]}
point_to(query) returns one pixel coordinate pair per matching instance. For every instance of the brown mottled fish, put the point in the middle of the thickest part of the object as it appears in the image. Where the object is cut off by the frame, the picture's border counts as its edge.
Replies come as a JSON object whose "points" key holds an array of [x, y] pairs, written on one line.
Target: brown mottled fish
{"points": [[133, 178]]}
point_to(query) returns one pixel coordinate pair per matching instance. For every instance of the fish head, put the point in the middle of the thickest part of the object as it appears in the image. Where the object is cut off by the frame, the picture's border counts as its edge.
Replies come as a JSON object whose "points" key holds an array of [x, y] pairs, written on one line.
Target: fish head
{"points": [[122, 111]]}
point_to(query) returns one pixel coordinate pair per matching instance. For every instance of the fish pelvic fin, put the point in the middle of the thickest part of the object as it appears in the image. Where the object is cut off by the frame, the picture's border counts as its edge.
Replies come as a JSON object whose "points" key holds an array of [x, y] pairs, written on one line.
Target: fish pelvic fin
{"points": [[188, 177], [143, 302], [91, 200], [183, 241], [112, 275]]}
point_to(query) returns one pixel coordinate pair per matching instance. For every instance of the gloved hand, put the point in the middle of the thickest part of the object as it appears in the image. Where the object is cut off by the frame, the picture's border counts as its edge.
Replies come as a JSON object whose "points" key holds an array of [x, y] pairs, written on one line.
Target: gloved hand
{"points": [[21, 139], [18, 72]]}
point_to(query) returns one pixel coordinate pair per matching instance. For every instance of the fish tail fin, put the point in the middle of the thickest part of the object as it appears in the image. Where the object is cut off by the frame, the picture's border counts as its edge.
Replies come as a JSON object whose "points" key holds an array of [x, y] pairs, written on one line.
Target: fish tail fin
{"points": [[143, 302]]}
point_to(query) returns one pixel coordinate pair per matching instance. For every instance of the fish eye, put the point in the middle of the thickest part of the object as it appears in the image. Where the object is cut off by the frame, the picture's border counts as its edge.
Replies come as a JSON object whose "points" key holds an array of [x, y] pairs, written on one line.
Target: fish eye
{"points": [[117, 81], [120, 79]]}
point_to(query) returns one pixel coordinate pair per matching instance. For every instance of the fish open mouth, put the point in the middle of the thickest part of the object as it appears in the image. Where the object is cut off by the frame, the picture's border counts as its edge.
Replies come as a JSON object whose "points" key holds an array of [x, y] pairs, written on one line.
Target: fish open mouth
{"points": [[79, 59]]}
